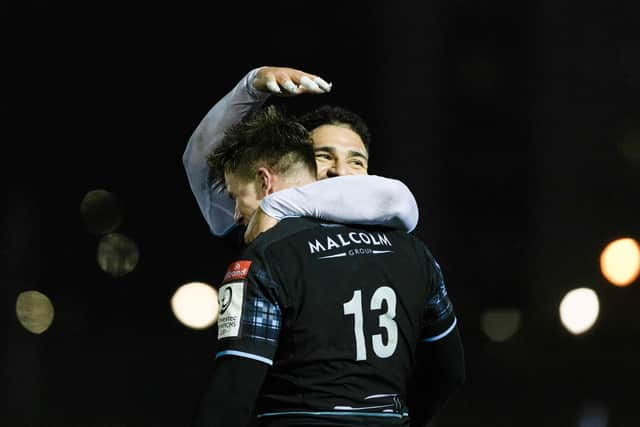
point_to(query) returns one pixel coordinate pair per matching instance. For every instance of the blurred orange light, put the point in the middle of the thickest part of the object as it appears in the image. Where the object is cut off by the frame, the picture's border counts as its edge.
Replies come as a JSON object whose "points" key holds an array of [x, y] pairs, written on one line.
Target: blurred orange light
{"points": [[620, 261]]}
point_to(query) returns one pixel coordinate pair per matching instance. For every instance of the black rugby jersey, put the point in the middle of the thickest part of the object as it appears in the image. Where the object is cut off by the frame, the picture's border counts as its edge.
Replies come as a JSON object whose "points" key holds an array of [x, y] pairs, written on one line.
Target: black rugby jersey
{"points": [[336, 311]]}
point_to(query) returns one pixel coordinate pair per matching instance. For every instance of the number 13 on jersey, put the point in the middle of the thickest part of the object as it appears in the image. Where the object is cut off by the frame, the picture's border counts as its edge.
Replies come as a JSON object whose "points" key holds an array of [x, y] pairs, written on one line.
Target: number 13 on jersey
{"points": [[385, 320]]}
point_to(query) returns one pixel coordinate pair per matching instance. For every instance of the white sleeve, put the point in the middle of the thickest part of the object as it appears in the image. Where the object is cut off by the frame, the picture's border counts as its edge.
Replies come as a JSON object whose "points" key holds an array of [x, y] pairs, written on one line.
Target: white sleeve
{"points": [[216, 207], [353, 199]]}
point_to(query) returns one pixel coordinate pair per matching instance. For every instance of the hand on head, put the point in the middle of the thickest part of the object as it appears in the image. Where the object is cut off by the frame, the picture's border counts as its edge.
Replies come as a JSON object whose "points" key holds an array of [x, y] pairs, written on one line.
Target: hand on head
{"points": [[289, 81]]}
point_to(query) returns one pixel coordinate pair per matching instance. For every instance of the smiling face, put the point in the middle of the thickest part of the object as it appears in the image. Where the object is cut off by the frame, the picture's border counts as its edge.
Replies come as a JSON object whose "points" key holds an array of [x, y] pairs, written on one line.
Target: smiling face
{"points": [[339, 151]]}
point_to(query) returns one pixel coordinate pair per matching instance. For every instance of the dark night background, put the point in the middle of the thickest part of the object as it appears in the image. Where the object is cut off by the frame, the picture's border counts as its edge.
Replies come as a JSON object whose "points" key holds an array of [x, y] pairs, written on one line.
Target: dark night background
{"points": [[506, 119]]}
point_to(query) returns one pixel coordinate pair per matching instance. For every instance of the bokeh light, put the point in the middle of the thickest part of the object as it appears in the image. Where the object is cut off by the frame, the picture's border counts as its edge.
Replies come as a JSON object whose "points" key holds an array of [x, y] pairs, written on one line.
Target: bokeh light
{"points": [[579, 310], [195, 305], [620, 261], [35, 311], [117, 254], [501, 324], [101, 212]]}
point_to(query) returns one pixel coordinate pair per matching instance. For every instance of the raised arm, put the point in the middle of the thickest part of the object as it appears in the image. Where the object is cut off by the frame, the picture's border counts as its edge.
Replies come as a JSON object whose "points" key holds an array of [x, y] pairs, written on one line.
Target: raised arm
{"points": [[355, 199], [214, 204], [245, 98]]}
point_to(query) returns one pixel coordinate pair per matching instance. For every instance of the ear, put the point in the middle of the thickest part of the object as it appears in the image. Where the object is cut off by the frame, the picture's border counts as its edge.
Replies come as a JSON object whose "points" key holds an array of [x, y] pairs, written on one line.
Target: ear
{"points": [[265, 181]]}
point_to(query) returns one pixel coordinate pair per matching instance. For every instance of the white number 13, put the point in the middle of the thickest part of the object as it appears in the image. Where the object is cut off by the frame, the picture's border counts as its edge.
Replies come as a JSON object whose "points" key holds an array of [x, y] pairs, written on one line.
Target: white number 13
{"points": [[385, 320]]}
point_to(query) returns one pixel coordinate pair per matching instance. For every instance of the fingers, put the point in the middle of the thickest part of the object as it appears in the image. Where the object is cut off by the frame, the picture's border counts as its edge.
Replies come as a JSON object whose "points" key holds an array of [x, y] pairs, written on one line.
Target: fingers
{"points": [[305, 84], [314, 84], [317, 85], [290, 87], [289, 81], [272, 86], [310, 85]]}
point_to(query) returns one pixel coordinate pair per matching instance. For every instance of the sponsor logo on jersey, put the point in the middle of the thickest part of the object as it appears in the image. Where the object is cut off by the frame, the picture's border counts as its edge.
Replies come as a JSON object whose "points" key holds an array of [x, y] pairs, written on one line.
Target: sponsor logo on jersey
{"points": [[237, 271], [226, 295], [341, 240], [230, 300]]}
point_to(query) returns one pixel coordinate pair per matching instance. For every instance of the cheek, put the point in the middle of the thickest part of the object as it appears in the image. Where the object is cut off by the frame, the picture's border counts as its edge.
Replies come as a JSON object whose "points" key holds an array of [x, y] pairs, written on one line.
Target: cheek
{"points": [[358, 171], [243, 205], [250, 204], [322, 170]]}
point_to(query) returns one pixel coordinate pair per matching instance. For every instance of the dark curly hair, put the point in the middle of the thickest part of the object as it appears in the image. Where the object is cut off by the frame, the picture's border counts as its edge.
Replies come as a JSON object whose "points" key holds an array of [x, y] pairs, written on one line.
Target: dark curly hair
{"points": [[334, 115], [268, 138]]}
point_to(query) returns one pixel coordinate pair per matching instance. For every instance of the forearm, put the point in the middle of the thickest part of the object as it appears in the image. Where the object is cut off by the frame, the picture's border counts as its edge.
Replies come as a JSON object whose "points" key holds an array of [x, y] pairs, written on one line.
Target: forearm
{"points": [[230, 397], [242, 100], [362, 199], [439, 373]]}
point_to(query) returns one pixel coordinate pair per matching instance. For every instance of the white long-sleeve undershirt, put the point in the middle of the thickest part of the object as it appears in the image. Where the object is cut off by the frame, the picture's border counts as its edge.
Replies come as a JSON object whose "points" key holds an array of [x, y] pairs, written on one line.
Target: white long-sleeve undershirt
{"points": [[362, 199], [358, 199]]}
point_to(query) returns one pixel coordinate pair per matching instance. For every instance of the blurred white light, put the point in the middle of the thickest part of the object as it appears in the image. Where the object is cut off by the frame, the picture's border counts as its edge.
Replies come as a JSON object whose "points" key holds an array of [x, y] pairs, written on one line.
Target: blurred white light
{"points": [[579, 310], [620, 261], [195, 305], [501, 324], [35, 311]]}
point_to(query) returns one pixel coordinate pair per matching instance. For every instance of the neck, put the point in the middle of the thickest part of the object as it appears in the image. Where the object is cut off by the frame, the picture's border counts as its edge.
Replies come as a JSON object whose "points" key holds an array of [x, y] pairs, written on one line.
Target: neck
{"points": [[293, 180], [298, 181]]}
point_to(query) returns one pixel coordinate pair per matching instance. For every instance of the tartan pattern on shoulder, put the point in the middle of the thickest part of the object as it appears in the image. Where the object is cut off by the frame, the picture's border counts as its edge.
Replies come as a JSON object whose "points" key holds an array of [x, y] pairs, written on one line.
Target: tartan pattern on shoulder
{"points": [[261, 320]]}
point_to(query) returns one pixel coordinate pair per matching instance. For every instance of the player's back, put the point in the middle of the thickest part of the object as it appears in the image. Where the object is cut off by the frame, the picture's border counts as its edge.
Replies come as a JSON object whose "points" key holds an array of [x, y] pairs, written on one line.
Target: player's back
{"points": [[351, 300]]}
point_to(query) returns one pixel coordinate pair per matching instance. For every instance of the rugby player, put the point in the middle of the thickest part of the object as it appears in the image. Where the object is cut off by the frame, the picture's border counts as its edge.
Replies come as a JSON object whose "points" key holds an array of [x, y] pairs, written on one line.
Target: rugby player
{"points": [[321, 323], [341, 140]]}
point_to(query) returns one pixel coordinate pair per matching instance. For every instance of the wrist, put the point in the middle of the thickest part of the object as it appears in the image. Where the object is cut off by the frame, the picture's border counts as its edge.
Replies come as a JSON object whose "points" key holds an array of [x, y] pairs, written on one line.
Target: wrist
{"points": [[256, 93]]}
